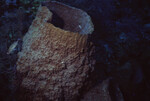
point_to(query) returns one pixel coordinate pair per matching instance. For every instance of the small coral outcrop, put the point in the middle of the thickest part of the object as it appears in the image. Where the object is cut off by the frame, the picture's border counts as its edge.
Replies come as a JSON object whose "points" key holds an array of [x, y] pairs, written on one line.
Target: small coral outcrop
{"points": [[55, 63]]}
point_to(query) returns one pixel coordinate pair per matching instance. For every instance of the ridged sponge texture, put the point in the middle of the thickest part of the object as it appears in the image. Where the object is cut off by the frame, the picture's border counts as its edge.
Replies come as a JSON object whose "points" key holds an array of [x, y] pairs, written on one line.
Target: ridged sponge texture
{"points": [[54, 63]]}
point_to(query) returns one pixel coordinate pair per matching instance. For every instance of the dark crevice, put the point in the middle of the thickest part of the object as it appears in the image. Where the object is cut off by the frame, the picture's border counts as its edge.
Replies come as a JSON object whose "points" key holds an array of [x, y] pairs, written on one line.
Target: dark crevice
{"points": [[56, 20]]}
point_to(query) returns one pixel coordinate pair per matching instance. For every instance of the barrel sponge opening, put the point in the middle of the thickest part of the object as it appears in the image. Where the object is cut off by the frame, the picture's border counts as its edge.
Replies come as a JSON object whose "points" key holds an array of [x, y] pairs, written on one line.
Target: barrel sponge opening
{"points": [[69, 18]]}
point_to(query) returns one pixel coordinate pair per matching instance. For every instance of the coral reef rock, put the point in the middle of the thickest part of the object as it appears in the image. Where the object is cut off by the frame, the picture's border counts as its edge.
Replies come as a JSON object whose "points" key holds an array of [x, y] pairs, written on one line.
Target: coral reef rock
{"points": [[98, 93], [105, 91], [55, 63]]}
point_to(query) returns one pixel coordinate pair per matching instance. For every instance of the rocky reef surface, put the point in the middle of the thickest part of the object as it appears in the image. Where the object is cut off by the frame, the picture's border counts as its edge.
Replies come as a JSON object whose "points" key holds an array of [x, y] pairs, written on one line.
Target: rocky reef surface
{"points": [[102, 92], [121, 39]]}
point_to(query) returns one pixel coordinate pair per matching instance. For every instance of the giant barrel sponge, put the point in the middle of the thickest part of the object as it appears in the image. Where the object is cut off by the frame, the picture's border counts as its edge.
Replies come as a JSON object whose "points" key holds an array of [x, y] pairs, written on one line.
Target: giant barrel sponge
{"points": [[55, 63]]}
